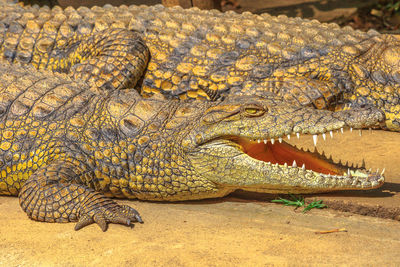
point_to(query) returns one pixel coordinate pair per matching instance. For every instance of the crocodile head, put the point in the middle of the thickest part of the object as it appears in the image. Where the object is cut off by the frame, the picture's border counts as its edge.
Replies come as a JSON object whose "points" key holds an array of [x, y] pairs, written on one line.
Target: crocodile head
{"points": [[375, 73], [240, 143]]}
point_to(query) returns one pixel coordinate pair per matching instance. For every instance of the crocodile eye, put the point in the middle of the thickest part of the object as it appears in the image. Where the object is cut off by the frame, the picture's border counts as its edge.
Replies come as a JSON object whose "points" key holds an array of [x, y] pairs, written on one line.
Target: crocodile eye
{"points": [[254, 111]]}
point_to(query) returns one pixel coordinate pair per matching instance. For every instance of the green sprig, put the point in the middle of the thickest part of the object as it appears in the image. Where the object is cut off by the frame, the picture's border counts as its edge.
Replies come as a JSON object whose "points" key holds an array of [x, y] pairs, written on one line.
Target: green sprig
{"points": [[299, 202]]}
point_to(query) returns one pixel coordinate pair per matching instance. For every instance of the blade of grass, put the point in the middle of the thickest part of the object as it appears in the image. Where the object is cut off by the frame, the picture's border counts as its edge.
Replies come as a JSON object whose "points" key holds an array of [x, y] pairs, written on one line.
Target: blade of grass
{"points": [[314, 205], [299, 202]]}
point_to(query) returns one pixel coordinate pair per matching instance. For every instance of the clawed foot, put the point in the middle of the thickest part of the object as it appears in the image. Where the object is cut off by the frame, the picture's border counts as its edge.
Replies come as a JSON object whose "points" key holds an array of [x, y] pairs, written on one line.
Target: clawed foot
{"points": [[121, 214]]}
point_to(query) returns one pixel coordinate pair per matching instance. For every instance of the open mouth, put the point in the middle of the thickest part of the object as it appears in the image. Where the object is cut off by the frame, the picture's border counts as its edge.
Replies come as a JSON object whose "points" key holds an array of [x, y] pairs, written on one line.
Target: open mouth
{"points": [[281, 152], [286, 154]]}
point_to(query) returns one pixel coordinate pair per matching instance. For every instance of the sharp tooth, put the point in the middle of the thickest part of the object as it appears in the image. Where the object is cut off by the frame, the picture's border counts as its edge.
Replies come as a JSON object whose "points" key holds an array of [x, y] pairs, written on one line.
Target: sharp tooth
{"points": [[348, 172], [280, 139], [324, 136], [285, 165], [288, 136], [369, 169], [258, 140], [315, 139], [351, 129], [272, 140], [265, 141], [360, 132], [331, 134], [298, 135], [341, 130], [304, 166], [383, 171], [294, 164], [377, 170]]}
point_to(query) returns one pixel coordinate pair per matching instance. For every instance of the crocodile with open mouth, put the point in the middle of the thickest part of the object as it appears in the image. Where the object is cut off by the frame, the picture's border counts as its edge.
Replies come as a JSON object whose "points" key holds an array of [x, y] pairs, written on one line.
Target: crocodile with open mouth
{"points": [[66, 146]]}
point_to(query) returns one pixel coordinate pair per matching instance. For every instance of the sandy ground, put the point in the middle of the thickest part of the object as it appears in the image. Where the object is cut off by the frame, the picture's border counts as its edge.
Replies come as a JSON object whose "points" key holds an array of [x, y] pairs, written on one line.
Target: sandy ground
{"points": [[221, 233], [241, 229]]}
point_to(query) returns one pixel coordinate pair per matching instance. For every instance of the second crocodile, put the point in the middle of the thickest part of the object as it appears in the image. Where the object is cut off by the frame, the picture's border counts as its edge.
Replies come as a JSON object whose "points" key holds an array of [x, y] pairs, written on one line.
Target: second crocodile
{"points": [[206, 54]]}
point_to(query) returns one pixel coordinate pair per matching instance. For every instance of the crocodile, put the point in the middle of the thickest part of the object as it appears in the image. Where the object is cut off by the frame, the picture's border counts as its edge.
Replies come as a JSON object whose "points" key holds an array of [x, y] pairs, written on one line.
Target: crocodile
{"points": [[67, 146], [209, 54]]}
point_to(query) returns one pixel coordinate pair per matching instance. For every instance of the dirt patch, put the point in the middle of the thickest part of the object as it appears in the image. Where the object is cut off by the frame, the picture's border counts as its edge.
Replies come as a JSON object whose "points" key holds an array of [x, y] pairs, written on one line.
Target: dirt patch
{"points": [[366, 210], [349, 205]]}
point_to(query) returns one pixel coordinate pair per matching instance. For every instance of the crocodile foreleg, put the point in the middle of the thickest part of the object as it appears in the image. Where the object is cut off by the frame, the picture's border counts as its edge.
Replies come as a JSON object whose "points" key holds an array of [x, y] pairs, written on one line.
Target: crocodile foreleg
{"points": [[56, 193]]}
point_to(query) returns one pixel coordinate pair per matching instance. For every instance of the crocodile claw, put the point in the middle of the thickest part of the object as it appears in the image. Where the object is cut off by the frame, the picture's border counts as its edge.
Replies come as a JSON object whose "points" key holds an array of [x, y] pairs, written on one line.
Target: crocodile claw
{"points": [[121, 214]]}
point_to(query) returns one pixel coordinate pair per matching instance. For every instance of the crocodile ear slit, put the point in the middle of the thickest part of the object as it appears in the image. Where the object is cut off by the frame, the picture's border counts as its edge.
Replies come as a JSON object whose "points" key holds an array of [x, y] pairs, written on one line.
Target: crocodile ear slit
{"points": [[212, 94]]}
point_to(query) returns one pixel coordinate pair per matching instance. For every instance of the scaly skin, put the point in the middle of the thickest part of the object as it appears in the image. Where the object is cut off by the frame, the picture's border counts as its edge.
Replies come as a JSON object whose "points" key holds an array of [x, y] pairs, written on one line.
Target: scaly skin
{"points": [[206, 54], [67, 146]]}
